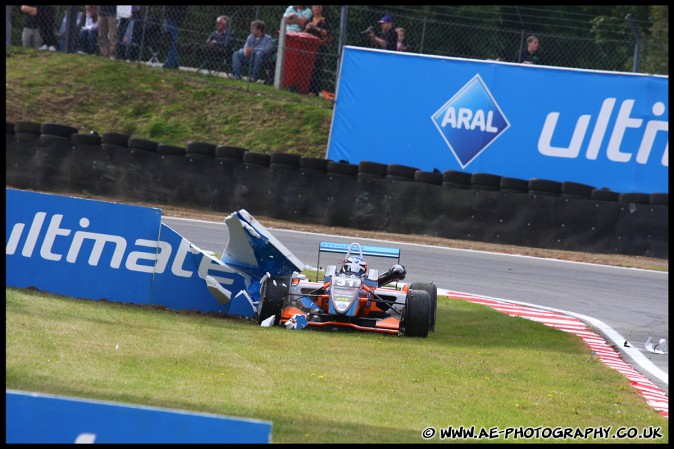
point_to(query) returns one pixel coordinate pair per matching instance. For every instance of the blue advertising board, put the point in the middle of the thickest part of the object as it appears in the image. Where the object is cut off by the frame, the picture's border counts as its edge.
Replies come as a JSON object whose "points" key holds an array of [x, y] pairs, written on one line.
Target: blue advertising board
{"points": [[43, 418], [605, 129], [102, 250], [79, 247]]}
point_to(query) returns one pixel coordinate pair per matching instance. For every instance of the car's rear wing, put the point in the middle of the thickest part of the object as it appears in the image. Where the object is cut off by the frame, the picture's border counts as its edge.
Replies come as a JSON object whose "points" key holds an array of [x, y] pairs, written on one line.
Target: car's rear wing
{"points": [[344, 248], [361, 250]]}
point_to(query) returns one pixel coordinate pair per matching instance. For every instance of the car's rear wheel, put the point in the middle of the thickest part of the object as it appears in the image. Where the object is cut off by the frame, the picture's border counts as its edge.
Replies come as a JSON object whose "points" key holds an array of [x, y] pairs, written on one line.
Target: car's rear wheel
{"points": [[417, 311], [432, 291], [272, 295]]}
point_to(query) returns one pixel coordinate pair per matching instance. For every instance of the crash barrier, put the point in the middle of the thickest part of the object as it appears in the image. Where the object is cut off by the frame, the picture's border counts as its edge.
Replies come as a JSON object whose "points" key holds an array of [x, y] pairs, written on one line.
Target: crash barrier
{"points": [[49, 419], [122, 253], [605, 129], [372, 196]]}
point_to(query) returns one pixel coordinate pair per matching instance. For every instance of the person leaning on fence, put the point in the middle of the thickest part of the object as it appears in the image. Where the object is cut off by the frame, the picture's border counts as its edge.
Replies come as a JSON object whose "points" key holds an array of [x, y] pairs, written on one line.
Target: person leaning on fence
{"points": [[30, 37], [530, 54], [388, 38], [255, 52], [296, 17], [107, 30], [318, 26]]}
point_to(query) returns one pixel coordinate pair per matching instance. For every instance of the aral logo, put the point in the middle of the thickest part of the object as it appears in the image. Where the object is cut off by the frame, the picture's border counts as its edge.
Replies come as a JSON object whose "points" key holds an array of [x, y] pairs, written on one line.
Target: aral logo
{"points": [[470, 121]]}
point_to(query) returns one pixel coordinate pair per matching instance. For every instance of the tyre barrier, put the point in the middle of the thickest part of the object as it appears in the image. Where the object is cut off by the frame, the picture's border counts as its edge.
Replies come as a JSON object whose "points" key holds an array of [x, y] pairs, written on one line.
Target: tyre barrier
{"points": [[341, 194]]}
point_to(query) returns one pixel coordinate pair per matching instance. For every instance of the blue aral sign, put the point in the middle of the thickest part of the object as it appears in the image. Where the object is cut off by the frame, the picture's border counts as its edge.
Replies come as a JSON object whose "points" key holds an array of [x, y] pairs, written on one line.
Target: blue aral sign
{"points": [[604, 129], [470, 121]]}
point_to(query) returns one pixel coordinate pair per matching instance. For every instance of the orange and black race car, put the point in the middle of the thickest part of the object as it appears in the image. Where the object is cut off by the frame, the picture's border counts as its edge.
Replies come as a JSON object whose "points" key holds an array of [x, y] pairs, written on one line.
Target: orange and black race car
{"points": [[351, 296]]}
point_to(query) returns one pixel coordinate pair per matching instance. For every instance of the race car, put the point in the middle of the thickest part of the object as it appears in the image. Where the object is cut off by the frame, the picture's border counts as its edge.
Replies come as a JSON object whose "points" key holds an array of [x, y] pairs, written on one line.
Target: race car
{"points": [[351, 296]]}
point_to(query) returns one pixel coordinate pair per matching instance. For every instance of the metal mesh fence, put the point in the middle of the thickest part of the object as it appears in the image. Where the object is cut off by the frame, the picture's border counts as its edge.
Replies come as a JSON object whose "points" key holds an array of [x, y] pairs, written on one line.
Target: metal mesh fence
{"points": [[151, 34]]}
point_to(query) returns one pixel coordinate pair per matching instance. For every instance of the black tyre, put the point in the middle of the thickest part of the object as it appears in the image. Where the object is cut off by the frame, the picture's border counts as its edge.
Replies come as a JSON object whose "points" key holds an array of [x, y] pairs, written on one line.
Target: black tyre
{"points": [[545, 186], [252, 158], [417, 313], [432, 291], [56, 129], [456, 179], [513, 185], [274, 292], [26, 136], [342, 168], [428, 177], [659, 198], [27, 127], [401, 171], [576, 190], [604, 195], [226, 151], [163, 148], [289, 159], [638, 198], [143, 144], [314, 163], [203, 148], [485, 181], [85, 139], [119, 139], [53, 137], [372, 168]]}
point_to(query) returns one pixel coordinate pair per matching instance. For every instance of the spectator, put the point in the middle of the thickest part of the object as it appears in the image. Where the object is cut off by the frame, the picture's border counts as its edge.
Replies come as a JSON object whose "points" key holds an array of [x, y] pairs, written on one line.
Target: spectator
{"points": [[403, 44], [530, 54], [220, 42], [388, 39], [296, 17], [318, 26], [107, 30], [127, 17], [30, 38], [255, 52], [173, 20], [46, 17], [89, 31]]}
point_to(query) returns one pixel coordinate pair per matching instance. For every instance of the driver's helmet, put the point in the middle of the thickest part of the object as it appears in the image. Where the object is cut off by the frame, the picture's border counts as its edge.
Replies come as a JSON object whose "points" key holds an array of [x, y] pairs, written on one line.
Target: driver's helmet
{"points": [[355, 265]]}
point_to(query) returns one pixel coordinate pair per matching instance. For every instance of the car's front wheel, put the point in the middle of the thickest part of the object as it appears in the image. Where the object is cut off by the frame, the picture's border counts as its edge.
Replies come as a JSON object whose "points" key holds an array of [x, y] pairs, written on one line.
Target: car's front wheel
{"points": [[272, 295], [417, 312], [432, 291]]}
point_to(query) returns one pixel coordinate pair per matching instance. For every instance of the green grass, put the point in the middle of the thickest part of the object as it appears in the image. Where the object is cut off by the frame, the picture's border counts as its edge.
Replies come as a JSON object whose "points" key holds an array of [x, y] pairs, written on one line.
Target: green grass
{"points": [[169, 106], [480, 367]]}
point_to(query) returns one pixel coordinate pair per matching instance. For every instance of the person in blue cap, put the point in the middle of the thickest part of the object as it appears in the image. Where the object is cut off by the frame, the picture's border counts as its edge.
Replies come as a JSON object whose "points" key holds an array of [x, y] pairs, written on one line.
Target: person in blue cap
{"points": [[388, 38]]}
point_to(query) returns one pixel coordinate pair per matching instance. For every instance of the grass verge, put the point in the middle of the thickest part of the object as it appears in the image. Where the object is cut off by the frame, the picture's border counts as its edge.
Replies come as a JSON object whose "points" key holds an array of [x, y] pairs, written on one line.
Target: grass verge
{"points": [[480, 368]]}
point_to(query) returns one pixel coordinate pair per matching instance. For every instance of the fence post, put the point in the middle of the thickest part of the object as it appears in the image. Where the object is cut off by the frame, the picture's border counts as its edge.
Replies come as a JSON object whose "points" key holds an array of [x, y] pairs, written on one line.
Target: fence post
{"points": [[637, 43], [280, 55], [343, 15]]}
